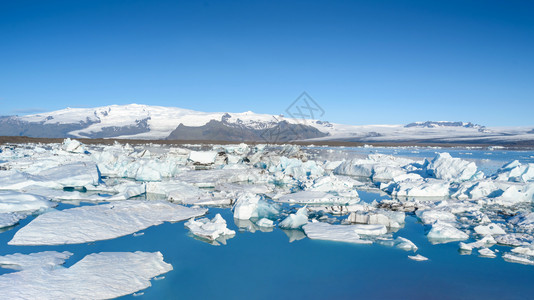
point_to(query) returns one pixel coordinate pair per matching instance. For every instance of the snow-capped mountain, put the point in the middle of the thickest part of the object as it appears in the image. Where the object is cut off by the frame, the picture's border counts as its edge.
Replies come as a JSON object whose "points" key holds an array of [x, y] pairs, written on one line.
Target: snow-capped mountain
{"points": [[136, 121]]}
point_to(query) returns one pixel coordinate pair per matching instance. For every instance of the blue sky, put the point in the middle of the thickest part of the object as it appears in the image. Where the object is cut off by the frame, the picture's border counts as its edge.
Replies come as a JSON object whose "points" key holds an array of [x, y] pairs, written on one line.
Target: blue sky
{"points": [[364, 62]]}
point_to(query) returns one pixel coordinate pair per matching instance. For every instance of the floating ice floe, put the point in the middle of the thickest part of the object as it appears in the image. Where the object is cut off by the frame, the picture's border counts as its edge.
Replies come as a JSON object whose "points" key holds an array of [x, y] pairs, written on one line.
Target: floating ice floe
{"points": [[97, 276], [516, 172], [211, 230], [405, 244], [486, 241], [417, 257], [391, 219], [413, 185], [100, 222], [296, 220], [46, 259], [314, 197], [184, 193], [203, 157], [264, 222], [379, 167], [73, 146], [445, 167], [337, 233], [249, 206], [443, 232], [517, 259], [23, 203], [10, 219], [490, 229]]}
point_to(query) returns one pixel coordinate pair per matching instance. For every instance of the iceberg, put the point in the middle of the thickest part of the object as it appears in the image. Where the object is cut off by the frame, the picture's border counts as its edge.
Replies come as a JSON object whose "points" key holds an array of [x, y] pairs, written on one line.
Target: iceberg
{"points": [[337, 233], [445, 167], [20, 202], [97, 276], [211, 230], [313, 197], [100, 222], [203, 157], [417, 257], [296, 220], [250, 206], [46, 259], [443, 232], [405, 244]]}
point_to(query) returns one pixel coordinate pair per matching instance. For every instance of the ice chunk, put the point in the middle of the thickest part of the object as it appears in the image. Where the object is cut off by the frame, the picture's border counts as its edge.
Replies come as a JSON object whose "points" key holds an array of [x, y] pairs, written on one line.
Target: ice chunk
{"points": [[73, 146], [313, 197], [378, 166], [529, 250], [19, 202], [517, 259], [264, 222], [211, 230], [408, 187], [515, 239], [417, 257], [46, 259], [183, 193], [203, 157], [432, 216], [296, 220], [445, 167], [442, 232], [252, 206], [100, 222], [10, 219], [405, 244], [388, 218], [338, 233], [97, 276], [490, 229], [484, 242], [516, 172]]}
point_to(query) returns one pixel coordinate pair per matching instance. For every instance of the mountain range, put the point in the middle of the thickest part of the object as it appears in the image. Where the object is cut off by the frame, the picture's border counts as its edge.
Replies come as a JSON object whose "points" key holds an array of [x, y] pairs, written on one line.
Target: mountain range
{"points": [[136, 121]]}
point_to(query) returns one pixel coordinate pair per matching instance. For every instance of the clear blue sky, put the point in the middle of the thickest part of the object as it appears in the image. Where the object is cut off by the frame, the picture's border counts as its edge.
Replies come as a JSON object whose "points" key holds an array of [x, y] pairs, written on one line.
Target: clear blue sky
{"points": [[364, 62]]}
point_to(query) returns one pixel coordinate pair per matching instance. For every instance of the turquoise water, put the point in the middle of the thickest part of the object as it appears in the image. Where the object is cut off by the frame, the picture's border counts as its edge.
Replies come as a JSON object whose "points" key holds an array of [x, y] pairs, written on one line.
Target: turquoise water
{"points": [[266, 265]]}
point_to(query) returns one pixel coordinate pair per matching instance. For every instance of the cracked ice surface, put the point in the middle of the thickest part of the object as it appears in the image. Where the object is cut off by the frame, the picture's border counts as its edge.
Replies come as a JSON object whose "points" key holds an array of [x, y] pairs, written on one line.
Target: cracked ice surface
{"points": [[100, 222], [97, 276]]}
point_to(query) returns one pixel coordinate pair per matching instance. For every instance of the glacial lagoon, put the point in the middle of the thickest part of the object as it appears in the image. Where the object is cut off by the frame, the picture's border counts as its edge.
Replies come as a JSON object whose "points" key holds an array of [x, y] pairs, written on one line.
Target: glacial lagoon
{"points": [[267, 263]]}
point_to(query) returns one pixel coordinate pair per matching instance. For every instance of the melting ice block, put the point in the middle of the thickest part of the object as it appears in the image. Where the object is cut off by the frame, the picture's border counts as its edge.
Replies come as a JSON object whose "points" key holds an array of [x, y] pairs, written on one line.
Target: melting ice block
{"points": [[209, 229], [46, 259], [100, 222], [296, 220], [19, 202], [314, 197], [97, 276], [203, 157], [417, 257], [445, 167], [443, 232], [250, 205], [338, 233]]}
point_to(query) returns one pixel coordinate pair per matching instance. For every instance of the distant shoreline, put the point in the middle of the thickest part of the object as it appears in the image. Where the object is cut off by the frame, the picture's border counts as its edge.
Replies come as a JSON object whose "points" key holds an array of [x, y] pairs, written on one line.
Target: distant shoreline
{"points": [[517, 145]]}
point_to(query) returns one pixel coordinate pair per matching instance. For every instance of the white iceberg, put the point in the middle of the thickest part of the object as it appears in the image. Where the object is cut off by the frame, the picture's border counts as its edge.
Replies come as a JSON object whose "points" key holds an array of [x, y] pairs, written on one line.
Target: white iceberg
{"points": [[405, 244], [20, 202], [210, 229], [249, 206], [417, 257], [338, 233], [100, 222], [46, 259], [442, 232], [445, 167], [490, 229], [313, 197], [97, 276], [203, 157], [296, 220]]}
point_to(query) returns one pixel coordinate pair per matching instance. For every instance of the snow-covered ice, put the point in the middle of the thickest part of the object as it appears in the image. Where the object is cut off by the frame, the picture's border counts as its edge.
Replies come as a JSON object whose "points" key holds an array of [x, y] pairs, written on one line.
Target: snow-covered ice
{"points": [[97, 276], [338, 233], [210, 229], [100, 222]]}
